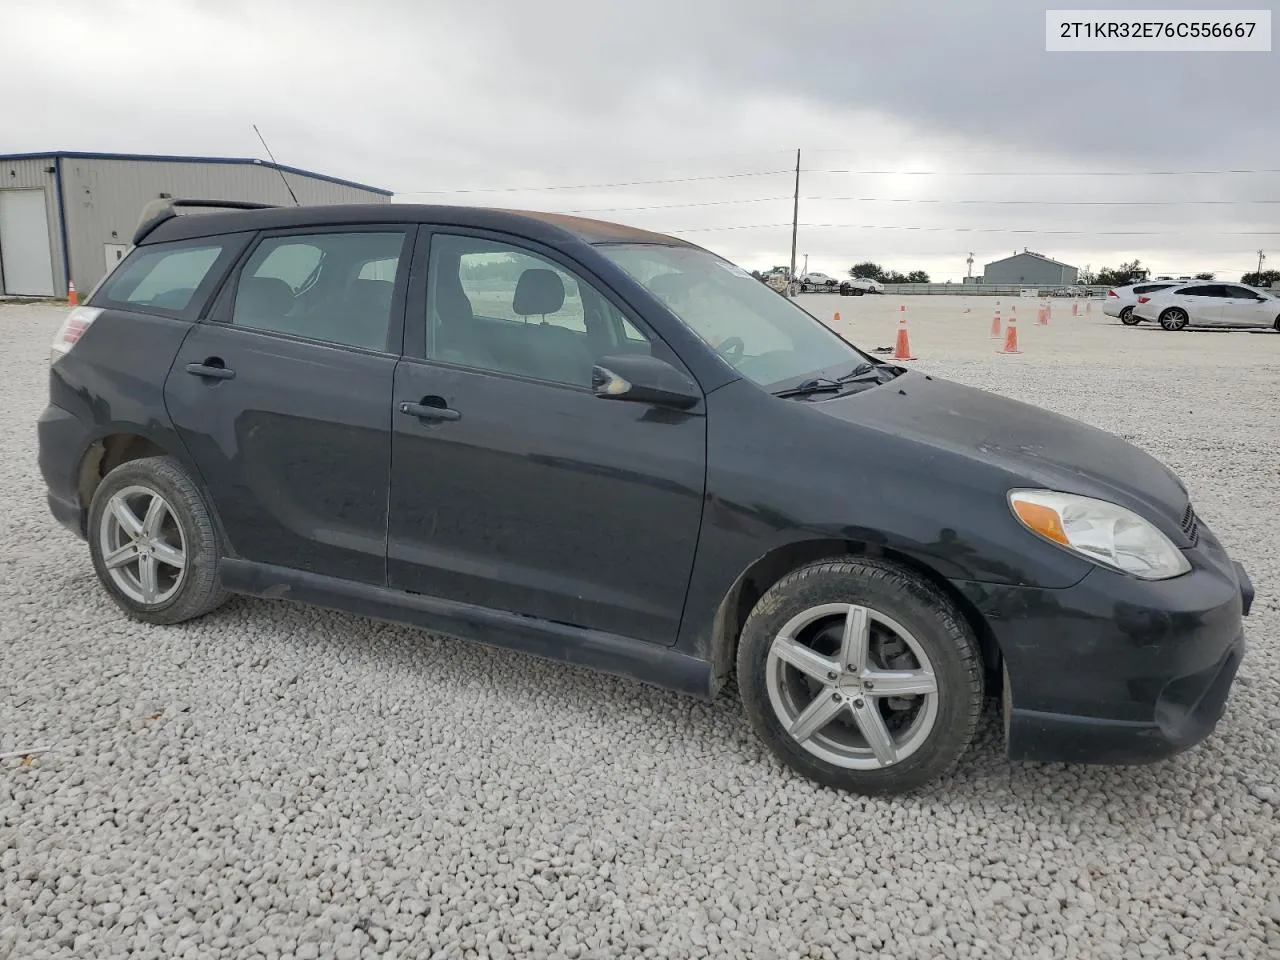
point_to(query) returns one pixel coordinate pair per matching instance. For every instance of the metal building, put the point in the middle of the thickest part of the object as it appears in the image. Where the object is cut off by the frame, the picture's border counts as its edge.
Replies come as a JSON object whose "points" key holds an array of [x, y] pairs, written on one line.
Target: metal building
{"points": [[72, 215], [1030, 268]]}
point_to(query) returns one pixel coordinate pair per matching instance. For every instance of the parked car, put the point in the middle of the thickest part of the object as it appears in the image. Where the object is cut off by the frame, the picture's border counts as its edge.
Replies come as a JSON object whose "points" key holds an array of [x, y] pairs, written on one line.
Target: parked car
{"points": [[859, 286], [818, 282], [1201, 304], [1120, 302], [614, 448]]}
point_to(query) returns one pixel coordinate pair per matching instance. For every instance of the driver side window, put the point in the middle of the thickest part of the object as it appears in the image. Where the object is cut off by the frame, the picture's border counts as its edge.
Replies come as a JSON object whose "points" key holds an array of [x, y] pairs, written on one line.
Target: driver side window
{"points": [[495, 306]]}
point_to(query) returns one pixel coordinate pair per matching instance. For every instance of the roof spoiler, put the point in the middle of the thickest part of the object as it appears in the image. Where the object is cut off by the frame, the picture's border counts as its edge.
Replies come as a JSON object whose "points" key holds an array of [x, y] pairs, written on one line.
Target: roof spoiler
{"points": [[166, 208]]}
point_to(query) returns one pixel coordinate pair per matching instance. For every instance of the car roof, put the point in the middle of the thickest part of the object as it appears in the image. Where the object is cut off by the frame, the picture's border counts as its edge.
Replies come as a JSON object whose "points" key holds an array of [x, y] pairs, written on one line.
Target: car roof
{"points": [[546, 227]]}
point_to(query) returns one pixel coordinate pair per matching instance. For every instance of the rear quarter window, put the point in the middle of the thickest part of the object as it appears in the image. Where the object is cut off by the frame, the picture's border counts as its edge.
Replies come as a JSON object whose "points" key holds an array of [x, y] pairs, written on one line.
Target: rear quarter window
{"points": [[173, 279]]}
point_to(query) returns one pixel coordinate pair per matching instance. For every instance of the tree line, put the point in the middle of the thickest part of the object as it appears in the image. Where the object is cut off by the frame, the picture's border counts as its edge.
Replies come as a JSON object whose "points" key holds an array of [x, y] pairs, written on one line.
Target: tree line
{"points": [[1135, 272]]}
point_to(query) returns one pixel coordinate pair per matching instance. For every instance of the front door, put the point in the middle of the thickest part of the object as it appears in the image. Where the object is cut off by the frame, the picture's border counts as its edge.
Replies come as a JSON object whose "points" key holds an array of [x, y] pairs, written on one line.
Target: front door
{"points": [[283, 399], [1243, 308], [513, 487]]}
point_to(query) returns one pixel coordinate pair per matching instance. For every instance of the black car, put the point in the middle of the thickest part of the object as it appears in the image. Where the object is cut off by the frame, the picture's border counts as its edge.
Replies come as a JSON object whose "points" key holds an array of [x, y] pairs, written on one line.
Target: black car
{"points": [[616, 449]]}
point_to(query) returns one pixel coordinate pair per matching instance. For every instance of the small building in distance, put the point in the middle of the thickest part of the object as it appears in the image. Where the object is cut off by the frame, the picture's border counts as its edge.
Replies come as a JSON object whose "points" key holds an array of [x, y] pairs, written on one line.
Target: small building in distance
{"points": [[1033, 269], [71, 216]]}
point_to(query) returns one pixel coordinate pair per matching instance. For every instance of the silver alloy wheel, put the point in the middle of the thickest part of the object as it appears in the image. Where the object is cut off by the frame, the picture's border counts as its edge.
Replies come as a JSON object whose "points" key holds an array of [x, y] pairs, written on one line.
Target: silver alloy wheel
{"points": [[1174, 319], [143, 547], [835, 704]]}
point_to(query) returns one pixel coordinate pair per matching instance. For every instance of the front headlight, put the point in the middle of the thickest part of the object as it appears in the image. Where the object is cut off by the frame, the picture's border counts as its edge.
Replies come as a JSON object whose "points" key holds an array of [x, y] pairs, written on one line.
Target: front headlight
{"points": [[1100, 531]]}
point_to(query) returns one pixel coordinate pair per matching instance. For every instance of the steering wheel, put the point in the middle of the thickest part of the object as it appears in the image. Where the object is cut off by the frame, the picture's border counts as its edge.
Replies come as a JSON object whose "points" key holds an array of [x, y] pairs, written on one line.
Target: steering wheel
{"points": [[731, 348]]}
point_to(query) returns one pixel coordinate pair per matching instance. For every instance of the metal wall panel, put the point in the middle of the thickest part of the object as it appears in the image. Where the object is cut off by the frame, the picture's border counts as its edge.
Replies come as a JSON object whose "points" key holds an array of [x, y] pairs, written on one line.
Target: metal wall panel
{"points": [[1030, 270]]}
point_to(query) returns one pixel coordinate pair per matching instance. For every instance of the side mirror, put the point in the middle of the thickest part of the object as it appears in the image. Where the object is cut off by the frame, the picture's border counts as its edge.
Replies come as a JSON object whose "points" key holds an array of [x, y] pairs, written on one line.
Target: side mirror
{"points": [[643, 379]]}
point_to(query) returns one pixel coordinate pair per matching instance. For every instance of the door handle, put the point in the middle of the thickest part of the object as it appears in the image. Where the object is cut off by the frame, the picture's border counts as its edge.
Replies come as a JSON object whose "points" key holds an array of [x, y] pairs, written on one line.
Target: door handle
{"points": [[213, 368], [433, 409]]}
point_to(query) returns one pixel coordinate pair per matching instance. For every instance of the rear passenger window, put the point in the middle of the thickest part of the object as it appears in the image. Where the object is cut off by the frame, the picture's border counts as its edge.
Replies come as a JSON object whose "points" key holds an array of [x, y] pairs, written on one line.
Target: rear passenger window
{"points": [[161, 277], [335, 287]]}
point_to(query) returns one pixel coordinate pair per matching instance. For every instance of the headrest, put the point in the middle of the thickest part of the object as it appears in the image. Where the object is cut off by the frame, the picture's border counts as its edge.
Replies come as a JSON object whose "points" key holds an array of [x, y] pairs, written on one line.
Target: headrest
{"points": [[670, 286], [370, 294], [264, 296], [538, 293]]}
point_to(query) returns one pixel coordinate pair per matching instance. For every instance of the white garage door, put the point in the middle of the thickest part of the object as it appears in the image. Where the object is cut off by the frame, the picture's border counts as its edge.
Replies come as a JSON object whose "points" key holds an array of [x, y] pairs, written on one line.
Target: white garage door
{"points": [[25, 260]]}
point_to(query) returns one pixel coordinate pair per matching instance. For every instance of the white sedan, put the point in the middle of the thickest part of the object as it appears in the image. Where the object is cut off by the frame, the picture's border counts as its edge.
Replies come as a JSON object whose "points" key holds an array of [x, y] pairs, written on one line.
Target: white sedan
{"points": [[1200, 304], [1120, 301]]}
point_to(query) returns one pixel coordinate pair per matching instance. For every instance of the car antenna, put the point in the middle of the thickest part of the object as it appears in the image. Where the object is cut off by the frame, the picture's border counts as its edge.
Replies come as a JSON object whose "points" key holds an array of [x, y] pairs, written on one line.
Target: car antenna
{"points": [[277, 166]]}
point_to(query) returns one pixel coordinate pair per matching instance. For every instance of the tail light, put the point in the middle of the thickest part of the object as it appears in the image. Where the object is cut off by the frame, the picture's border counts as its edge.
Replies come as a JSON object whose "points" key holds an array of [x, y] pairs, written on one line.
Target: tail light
{"points": [[1144, 299], [1112, 293], [72, 329]]}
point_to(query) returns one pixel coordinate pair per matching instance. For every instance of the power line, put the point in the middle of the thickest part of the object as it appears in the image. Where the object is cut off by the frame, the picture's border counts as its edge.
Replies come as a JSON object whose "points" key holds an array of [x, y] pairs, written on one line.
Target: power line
{"points": [[1041, 173], [674, 206], [1039, 203], [1082, 233], [601, 186]]}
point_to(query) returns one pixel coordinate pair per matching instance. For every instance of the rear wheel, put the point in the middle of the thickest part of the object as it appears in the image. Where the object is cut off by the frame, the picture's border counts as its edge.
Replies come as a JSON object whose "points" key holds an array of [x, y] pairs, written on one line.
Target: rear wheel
{"points": [[153, 542], [1128, 319], [1175, 318], [861, 676]]}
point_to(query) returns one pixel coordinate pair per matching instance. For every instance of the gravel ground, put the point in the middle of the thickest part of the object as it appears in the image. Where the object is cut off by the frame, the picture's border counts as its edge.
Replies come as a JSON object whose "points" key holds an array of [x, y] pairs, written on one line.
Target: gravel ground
{"points": [[276, 781]]}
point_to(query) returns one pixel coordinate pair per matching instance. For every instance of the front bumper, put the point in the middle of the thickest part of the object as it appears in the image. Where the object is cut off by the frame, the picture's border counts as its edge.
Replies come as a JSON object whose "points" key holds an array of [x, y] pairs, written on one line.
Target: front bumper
{"points": [[1117, 670]]}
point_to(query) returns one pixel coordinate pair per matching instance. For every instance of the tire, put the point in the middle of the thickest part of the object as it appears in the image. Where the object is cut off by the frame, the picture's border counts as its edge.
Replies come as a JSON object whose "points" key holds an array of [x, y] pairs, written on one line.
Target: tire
{"points": [[1128, 319], [181, 529], [857, 291], [1175, 318], [1276, 325], [914, 637]]}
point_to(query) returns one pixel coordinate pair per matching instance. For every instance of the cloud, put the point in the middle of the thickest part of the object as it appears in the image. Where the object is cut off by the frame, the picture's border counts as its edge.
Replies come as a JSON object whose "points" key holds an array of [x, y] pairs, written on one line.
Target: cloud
{"points": [[422, 97]]}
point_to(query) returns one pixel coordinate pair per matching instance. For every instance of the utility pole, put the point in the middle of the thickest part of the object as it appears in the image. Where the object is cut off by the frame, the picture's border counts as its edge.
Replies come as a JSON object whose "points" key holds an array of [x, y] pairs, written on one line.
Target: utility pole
{"points": [[795, 227], [806, 265], [1261, 256]]}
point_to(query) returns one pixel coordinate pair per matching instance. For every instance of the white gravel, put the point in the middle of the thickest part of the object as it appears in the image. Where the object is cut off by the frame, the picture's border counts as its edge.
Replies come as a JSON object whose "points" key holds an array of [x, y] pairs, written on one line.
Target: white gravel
{"points": [[276, 781]]}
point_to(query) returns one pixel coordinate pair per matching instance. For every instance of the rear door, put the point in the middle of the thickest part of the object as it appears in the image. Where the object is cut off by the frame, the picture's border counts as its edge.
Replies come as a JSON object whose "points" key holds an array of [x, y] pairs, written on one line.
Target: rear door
{"points": [[283, 397], [526, 493], [1203, 303]]}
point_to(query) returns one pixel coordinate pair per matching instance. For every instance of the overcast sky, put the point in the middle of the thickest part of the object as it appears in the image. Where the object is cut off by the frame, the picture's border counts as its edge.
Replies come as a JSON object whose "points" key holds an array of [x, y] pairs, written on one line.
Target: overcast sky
{"points": [[431, 98]]}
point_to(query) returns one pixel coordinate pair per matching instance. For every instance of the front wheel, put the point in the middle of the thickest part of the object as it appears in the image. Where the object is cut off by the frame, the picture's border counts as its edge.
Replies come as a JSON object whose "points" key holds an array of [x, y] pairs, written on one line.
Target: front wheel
{"points": [[1128, 319], [153, 542], [1175, 318], [861, 676]]}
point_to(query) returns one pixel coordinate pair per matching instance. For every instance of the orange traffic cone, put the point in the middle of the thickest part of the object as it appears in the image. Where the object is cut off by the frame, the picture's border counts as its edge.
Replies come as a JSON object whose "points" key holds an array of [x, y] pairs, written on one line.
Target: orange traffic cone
{"points": [[995, 323], [836, 318], [1088, 305], [1011, 333], [1075, 308], [73, 298], [902, 349], [1042, 314]]}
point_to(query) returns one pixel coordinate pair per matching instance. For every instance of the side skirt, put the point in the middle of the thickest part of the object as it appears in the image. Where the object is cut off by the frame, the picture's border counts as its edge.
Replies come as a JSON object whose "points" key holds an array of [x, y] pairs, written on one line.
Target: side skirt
{"points": [[604, 652]]}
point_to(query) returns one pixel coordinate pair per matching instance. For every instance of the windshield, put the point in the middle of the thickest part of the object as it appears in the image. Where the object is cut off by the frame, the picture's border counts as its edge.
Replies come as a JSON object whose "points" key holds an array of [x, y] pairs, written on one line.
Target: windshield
{"points": [[766, 337]]}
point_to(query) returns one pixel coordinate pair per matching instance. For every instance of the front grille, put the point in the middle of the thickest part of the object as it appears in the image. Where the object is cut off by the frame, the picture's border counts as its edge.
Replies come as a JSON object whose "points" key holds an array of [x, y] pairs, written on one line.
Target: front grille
{"points": [[1191, 525]]}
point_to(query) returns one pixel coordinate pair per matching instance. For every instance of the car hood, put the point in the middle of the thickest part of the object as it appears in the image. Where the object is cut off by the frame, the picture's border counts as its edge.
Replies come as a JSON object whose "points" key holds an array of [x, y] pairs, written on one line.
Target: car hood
{"points": [[1030, 445]]}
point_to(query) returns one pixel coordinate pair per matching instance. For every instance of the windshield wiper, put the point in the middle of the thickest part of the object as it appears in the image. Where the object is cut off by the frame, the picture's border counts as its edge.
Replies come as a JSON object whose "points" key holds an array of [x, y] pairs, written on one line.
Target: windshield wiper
{"points": [[869, 371], [814, 385]]}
